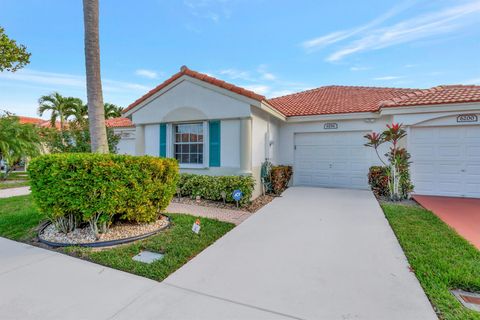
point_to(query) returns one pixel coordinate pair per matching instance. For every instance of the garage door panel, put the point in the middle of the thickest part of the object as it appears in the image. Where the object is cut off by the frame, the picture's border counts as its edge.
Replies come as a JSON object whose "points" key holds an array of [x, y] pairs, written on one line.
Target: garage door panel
{"points": [[423, 168], [423, 152], [446, 160], [449, 152], [448, 134], [449, 167], [473, 169], [472, 189], [335, 159], [473, 152]]}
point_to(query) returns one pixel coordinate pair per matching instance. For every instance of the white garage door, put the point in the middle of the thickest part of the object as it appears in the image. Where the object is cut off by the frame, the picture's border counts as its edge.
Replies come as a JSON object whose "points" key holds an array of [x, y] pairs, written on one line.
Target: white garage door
{"points": [[446, 160], [336, 159]]}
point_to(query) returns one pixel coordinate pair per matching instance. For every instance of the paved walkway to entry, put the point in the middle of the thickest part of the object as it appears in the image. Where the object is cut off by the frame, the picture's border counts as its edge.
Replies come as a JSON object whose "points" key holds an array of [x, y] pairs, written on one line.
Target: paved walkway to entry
{"points": [[228, 215], [311, 254], [462, 214], [13, 192]]}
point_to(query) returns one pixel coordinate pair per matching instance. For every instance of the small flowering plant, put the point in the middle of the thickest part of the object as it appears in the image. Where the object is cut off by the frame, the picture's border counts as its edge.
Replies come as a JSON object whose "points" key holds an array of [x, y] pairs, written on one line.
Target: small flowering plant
{"points": [[397, 165]]}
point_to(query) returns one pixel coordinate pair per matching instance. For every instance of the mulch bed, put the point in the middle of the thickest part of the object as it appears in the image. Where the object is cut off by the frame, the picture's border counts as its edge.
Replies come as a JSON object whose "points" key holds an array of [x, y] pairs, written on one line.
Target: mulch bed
{"points": [[115, 232], [404, 202], [254, 206]]}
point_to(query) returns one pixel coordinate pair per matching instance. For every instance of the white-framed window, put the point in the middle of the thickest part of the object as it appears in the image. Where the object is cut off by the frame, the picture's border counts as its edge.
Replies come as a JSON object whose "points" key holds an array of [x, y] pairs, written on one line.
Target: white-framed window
{"points": [[188, 144]]}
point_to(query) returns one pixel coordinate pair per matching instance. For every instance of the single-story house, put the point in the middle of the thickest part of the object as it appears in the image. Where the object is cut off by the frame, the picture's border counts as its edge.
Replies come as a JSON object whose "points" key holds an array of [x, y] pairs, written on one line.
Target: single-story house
{"points": [[217, 128]]}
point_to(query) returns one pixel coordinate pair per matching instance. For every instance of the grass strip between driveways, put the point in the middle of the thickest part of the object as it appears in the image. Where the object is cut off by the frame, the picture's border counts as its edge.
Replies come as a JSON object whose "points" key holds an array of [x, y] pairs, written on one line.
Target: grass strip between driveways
{"points": [[19, 218], [441, 259]]}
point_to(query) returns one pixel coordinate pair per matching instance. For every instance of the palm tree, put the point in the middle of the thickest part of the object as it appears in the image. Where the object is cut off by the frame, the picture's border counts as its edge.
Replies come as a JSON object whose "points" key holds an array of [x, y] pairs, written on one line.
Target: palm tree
{"points": [[112, 111], [80, 112], [60, 107], [96, 112]]}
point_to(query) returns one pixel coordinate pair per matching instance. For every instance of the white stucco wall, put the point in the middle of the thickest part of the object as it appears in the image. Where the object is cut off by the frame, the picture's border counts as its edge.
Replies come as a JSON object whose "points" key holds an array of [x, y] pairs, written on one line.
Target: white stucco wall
{"points": [[265, 135], [230, 144], [152, 139], [126, 144], [191, 100]]}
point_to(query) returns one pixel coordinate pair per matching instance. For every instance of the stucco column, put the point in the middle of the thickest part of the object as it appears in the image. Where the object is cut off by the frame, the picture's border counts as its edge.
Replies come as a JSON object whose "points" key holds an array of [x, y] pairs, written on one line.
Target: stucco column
{"points": [[246, 145], [140, 139]]}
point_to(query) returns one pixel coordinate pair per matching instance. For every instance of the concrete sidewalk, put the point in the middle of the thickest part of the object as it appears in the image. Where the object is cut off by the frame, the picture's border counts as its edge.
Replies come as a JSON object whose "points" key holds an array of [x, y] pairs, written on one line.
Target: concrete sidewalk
{"points": [[312, 254], [13, 192]]}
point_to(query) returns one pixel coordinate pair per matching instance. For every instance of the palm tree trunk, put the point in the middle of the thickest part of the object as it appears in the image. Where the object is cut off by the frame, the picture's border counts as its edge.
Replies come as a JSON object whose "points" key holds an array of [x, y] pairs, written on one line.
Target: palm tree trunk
{"points": [[96, 113]]}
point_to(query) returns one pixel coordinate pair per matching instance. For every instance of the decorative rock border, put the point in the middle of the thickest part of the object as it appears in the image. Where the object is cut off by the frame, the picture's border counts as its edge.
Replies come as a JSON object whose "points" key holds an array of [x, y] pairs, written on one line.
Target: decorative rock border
{"points": [[99, 244]]}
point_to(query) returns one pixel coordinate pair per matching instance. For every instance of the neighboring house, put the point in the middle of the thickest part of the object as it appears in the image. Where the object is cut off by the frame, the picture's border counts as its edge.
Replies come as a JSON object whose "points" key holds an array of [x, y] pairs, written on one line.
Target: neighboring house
{"points": [[213, 127], [124, 128], [121, 126], [39, 122]]}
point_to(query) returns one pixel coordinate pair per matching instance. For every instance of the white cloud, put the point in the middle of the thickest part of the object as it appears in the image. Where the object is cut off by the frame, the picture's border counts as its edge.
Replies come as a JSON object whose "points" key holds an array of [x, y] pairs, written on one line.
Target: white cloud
{"points": [[213, 10], [280, 93], [265, 74], [323, 41], [269, 76], [261, 81], [258, 88], [58, 80], [475, 81], [419, 27], [359, 68], [150, 74], [236, 74], [386, 78]]}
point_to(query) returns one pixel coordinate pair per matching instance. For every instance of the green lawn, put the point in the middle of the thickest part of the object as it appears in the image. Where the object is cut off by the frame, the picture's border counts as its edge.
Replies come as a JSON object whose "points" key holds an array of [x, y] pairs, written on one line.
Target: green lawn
{"points": [[20, 177], [18, 217], [441, 259]]}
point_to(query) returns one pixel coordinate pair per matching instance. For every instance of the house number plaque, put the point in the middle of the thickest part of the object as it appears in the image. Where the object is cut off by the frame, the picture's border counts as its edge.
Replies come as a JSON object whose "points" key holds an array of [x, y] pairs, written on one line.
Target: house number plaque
{"points": [[467, 118], [330, 125]]}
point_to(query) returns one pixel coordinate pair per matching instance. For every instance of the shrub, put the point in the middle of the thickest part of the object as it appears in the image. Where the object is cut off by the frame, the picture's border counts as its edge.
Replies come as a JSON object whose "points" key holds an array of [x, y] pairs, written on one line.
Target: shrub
{"points": [[399, 185], [280, 176], [211, 187], [100, 188], [378, 180]]}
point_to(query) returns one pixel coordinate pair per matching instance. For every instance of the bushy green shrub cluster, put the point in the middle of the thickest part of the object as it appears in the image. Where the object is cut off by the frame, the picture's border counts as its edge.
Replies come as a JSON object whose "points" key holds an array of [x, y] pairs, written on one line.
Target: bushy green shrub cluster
{"points": [[280, 176], [72, 188], [378, 180], [211, 187]]}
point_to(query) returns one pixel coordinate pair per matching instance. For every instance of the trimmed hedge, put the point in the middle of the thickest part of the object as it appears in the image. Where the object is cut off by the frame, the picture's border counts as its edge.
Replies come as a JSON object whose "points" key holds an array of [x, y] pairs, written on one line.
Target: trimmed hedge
{"points": [[101, 188], [280, 176], [211, 187]]}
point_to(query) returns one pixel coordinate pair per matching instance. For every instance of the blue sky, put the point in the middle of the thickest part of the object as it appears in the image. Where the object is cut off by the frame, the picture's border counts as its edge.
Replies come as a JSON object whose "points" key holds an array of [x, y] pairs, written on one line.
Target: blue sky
{"points": [[271, 47]]}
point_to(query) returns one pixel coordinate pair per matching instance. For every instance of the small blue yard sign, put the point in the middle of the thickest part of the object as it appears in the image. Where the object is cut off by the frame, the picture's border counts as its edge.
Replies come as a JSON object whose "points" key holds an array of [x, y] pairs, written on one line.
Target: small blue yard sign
{"points": [[237, 195]]}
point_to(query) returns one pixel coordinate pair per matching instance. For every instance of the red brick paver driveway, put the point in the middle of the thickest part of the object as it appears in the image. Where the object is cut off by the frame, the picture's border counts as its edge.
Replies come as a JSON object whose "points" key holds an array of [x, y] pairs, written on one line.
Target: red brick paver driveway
{"points": [[462, 214]]}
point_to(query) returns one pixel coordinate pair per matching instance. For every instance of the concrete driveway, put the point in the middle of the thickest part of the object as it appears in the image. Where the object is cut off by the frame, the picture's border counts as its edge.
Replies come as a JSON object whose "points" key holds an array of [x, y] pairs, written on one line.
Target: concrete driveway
{"points": [[311, 254]]}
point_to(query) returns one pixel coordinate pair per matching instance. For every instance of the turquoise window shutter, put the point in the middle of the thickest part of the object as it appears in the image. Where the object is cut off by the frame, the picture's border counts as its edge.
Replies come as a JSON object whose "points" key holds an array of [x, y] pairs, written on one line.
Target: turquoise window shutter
{"points": [[163, 140], [214, 137]]}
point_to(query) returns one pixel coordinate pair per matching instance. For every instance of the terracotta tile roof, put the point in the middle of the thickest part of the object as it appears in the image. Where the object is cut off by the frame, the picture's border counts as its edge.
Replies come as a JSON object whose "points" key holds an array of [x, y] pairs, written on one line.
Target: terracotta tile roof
{"points": [[338, 99], [39, 122], [118, 122], [437, 95], [200, 76], [335, 99], [24, 120]]}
